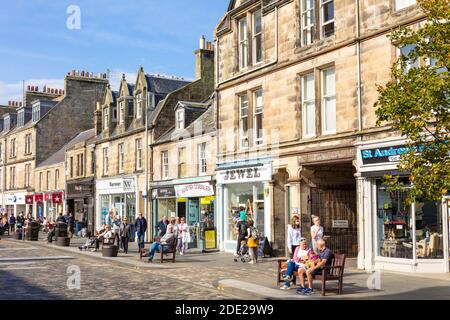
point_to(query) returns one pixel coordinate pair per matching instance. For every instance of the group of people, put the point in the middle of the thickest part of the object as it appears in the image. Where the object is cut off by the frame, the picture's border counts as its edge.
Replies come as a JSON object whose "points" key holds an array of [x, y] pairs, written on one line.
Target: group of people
{"points": [[11, 223], [248, 236], [307, 259]]}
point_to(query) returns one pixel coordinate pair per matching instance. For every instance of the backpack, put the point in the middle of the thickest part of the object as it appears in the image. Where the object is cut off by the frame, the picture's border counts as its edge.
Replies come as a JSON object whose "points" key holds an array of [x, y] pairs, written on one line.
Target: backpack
{"points": [[254, 233]]}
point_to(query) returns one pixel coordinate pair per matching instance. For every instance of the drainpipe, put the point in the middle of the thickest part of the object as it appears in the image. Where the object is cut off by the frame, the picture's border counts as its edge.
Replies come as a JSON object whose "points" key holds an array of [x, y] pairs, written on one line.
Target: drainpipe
{"points": [[358, 69]]}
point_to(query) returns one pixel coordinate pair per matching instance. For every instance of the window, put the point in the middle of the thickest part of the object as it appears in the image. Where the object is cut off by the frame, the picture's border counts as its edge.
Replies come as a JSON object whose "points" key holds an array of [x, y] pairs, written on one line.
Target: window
{"points": [[114, 113], [165, 164], [130, 109], [401, 4], [307, 17], [151, 100], [122, 112], [327, 17], [139, 106], [48, 180], [36, 113], [179, 119], [71, 167], [41, 177], [105, 161], [139, 154], [1, 151], [28, 144], [257, 37], [7, 123], [12, 177], [121, 157], [21, 118], [12, 153], [258, 116], [56, 179], [405, 51], [106, 118], [308, 106], [243, 43], [202, 164], [328, 101], [181, 162], [243, 121], [27, 175], [80, 169]]}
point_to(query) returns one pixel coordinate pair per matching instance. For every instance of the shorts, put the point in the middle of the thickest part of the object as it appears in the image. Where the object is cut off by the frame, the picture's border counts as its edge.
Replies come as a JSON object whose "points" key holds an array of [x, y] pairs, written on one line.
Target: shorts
{"points": [[302, 266], [317, 272]]}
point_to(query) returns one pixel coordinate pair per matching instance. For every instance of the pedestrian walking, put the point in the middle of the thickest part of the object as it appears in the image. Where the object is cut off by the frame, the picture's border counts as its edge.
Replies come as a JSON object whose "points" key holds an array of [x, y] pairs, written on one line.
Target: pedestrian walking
{"points": [[241, 228], [12, 223], [316, 233], [183, 236], [125, 234], [140, 225], [116, 229], [71, 224], [294, 234]]}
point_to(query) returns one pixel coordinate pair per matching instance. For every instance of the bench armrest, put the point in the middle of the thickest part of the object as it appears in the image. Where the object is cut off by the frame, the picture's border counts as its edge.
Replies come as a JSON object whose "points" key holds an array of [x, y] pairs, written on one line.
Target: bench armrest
{"points": [[334, 267]]}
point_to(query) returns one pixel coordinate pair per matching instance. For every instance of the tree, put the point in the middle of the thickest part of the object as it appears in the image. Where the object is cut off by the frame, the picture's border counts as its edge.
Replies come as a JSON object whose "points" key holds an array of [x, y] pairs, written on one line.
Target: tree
{"points": [[416, 102]]}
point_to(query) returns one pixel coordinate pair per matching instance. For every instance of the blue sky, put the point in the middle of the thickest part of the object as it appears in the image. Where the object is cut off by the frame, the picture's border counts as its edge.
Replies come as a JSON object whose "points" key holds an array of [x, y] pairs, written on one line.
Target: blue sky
{"points": [[160, 35]]}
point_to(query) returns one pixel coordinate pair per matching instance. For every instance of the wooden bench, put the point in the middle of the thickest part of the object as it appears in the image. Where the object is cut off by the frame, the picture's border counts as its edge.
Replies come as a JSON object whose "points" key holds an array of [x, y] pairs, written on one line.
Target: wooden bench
{"points": [[333, 273]]}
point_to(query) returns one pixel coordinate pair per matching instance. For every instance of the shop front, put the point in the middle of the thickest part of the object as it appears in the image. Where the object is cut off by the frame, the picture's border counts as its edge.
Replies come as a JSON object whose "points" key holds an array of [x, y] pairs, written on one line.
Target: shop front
{"points": [[39, 206], [243, 184], [119, 195], [53, 205], [15, 203], [193, 199], [80, 201], [395, 235]]}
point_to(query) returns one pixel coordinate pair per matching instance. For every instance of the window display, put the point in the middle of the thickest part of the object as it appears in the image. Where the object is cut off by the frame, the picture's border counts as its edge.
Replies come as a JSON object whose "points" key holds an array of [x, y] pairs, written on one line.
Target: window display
{"points": [[429, 230]]}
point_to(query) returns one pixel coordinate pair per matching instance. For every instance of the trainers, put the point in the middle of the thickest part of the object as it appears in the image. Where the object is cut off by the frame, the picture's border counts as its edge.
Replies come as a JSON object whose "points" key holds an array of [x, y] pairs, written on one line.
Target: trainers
{"points": [[285, 287], [308, 292], [301, 290], [236, 255], [287, 278]]}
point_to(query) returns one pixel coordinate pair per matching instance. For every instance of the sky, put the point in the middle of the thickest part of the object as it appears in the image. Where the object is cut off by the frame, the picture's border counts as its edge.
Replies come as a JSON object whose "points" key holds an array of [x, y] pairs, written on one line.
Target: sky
{"points": [[41, 40]]}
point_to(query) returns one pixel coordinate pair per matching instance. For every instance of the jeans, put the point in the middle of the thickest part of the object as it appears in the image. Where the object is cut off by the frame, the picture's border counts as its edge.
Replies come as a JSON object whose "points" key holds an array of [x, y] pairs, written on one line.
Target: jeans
{"points": [[12, 227], [180, 245], [124, 242], [291, 268], [156, 246], [141, 240]]}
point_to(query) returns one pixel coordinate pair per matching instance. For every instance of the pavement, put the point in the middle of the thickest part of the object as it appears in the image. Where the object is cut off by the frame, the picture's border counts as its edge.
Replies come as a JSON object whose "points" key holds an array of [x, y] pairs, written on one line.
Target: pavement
{"points": [[194, 276]]}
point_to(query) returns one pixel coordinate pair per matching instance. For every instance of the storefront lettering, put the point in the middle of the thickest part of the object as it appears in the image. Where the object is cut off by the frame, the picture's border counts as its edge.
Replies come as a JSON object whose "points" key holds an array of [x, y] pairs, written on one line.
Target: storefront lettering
{"points": [[388, 154], [249, 173]]}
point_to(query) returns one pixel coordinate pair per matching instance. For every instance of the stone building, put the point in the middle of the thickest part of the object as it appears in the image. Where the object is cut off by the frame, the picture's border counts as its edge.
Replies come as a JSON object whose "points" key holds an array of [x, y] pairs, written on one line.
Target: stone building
{"points": [[296, 83], [120, 147], [43, 125], [183, 169]]}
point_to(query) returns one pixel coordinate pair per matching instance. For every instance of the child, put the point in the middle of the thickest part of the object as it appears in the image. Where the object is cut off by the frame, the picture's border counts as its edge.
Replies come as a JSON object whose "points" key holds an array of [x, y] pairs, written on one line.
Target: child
{"points": [[252, 242]]}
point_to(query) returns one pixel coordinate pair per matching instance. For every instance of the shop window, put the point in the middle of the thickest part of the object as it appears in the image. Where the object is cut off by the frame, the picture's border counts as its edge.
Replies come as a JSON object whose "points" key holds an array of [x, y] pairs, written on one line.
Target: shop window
{"points": [[243, 121], [398, 227]]}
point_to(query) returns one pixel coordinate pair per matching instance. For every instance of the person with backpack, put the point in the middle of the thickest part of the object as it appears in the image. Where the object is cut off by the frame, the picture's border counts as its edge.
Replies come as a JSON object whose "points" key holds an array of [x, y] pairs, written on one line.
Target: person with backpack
{"points": [[252, 242], [241, 228]]}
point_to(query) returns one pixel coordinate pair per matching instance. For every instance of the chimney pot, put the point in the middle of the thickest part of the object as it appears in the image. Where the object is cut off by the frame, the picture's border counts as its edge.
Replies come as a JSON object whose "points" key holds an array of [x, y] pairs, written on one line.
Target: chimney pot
{"points": [[208, 46], [73, 73], [82, 73], [20, 104], [202, 42], [29, 88]]}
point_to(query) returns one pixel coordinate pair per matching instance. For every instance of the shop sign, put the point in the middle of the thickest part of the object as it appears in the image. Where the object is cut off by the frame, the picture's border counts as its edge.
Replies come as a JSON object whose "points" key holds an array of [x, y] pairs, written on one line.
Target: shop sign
{"points": [[242, 175], [38, 197], [57, 197], [194, 190], [207, 200], [210, 239], [29, 199], [164, 193], [125, 185], [339, 224], [385, 155], [12, 199], [47, 197]]}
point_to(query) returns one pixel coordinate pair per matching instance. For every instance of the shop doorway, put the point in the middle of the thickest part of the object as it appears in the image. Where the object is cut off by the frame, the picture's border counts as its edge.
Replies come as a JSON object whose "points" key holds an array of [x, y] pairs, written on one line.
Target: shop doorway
{"points": [[181, 209]]}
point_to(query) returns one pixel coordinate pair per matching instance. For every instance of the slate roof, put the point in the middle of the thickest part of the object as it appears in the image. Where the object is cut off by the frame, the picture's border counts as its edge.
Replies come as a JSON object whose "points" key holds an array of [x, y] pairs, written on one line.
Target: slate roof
{"points": [[60, 155], [115, 94], [164, 85], [130, 88]]}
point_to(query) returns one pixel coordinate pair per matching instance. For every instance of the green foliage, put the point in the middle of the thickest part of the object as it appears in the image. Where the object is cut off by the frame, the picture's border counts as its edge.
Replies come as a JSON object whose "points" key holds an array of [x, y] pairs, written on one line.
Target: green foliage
{"points": [[416, 102]]}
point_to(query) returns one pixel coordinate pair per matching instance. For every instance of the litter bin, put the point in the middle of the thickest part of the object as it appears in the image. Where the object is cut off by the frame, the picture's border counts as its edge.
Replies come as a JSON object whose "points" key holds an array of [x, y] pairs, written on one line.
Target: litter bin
{"points": [[18, 235], [33, 234], [61, 230], [63, 242], [110, 250]]}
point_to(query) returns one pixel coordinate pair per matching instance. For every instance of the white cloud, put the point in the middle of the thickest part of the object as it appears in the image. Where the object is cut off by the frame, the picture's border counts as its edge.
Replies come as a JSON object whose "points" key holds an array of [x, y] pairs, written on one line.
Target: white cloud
{"points": [[14, 91]]}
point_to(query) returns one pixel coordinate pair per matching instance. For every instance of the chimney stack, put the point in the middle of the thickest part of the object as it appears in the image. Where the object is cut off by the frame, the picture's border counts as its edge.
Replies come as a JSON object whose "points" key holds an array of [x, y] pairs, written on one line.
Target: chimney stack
{"points": [[202, 42], [208, 46]]}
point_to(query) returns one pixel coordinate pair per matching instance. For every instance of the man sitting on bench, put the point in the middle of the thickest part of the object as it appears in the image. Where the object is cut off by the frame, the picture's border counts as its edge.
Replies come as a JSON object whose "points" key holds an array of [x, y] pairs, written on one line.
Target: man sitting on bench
{"points": [[107, 234], [165, 243], [326, 258]]}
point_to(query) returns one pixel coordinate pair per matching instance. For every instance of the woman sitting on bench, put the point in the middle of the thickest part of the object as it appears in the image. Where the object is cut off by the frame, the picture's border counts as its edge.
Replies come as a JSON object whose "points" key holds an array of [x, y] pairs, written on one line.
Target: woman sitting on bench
{"points": [[106, 234]]}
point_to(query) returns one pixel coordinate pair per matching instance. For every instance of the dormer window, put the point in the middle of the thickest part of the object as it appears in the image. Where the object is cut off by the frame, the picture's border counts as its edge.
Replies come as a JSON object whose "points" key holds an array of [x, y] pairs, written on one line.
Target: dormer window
{"points": [[36, 112], [21, 118], [122, 112], [139, 106], [105, 119], [151, 100], [179, 119]]}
